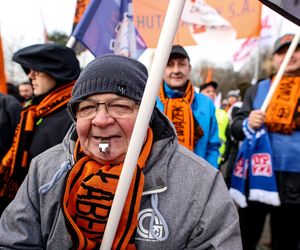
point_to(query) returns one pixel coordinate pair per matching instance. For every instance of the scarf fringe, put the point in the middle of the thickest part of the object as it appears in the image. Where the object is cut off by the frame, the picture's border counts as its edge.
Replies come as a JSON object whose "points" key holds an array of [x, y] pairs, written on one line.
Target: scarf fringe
{"points": [[238, 197], [267, 197]]}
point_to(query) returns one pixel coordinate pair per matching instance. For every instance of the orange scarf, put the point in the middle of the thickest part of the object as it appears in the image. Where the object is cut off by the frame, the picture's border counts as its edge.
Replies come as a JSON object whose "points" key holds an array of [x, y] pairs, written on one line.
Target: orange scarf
{"points": [[88, 197], [15, 163], [179, 111], [282, 114]]}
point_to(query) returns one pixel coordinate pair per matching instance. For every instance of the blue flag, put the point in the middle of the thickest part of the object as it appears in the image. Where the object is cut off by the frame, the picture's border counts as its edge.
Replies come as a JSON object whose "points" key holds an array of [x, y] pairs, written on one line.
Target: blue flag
{"points": [[107, 27]]}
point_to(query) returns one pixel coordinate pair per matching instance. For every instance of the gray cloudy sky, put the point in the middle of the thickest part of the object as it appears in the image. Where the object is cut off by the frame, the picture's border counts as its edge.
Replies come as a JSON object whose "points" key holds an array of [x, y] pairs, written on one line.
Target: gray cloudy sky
{"points": [[19, 18]]}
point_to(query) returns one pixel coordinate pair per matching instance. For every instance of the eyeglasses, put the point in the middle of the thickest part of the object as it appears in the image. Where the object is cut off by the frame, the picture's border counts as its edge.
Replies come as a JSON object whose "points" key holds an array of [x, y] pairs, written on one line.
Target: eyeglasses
{"points": [[117, 108]]}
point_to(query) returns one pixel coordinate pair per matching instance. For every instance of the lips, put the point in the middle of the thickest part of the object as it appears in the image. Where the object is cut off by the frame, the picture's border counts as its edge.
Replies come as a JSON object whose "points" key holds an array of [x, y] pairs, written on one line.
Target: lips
{"points": [[102, 138]]}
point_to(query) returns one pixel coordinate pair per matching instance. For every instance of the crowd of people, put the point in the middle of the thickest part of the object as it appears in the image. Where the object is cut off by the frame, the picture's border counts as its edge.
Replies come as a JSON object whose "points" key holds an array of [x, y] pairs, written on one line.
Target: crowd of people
{"points": [[66, 140]]}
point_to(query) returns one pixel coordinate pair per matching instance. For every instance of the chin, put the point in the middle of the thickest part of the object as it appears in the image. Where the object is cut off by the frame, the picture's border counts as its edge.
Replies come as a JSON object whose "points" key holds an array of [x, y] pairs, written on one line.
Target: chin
{"points": [[106, 158]]}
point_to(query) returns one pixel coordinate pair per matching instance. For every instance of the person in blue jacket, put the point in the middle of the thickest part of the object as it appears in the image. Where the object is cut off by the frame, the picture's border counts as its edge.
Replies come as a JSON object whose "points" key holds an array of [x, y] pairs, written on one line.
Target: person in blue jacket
{"points": [[192, 114]]}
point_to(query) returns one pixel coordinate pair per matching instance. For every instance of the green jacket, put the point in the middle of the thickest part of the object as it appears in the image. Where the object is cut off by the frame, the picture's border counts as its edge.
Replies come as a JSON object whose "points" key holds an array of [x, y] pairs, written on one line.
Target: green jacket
{"points": [[223, 122]]}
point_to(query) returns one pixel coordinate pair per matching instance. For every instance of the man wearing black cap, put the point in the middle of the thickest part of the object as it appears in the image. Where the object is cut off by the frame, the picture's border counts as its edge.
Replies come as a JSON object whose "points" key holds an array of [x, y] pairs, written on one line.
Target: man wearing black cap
{"points": [[52, 70], [282, 122], [192, 114], [210, 89]]}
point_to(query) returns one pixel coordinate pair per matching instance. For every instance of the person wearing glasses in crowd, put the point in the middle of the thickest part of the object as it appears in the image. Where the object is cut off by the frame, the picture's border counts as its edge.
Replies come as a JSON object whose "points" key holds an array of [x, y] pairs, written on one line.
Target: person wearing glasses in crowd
{"points": [[176, 199], [52, 69]]}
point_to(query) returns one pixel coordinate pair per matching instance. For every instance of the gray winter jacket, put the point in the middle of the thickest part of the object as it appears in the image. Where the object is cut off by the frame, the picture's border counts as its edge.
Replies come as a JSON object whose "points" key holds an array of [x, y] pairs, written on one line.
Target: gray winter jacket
{"points": [[187, 197]]}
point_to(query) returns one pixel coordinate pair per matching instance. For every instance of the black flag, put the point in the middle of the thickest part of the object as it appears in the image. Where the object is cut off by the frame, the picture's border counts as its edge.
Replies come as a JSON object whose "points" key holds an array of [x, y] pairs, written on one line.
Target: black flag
{"points": [[290, 9]]}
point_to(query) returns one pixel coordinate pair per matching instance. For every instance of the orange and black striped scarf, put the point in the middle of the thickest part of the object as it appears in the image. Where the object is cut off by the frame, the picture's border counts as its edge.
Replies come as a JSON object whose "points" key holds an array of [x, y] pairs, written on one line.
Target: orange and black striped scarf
{"points": [[283, 113], [89, 193], [179, 111], [15, 163]]}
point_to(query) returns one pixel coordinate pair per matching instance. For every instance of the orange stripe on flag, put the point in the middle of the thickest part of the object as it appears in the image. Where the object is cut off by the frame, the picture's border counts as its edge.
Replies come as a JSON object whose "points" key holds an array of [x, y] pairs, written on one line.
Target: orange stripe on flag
{"points": [[3, 87], [80, 8], [209, 75]]}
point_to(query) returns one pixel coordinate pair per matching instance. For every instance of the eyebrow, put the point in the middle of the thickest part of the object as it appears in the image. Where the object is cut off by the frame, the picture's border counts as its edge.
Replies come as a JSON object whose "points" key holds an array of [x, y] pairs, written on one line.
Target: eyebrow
{"points": [[109, 99]]}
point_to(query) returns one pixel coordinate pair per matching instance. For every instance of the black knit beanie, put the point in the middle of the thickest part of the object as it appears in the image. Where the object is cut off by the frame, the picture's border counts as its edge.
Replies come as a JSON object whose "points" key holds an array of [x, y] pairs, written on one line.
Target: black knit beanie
{"points": [[111, 74]]}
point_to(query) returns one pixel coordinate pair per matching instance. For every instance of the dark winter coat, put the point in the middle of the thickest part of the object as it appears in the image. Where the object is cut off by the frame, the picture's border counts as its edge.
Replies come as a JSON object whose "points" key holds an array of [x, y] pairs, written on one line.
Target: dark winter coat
{"points": [[10, 109], [288, 183]]}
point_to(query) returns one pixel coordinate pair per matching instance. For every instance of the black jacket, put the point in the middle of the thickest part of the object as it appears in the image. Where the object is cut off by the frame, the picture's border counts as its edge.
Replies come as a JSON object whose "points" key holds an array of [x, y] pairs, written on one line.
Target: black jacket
{"points": [[288, 183], [10, 109], [49, 131], [243, 113]]}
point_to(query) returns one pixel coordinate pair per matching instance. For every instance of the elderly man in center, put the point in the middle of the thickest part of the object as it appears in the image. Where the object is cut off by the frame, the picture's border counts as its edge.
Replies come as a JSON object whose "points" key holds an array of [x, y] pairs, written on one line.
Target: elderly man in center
{"points": [[175, 201]]}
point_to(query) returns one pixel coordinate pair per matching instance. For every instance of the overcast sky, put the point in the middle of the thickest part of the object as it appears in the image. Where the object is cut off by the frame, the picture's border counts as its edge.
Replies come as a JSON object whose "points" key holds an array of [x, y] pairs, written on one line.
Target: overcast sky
{"points": [[23, 18], [21, 25]]}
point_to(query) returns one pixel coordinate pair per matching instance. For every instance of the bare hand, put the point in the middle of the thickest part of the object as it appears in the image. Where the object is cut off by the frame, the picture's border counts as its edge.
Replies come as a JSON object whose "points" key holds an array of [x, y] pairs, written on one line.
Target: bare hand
{"points": [[256, 119]]}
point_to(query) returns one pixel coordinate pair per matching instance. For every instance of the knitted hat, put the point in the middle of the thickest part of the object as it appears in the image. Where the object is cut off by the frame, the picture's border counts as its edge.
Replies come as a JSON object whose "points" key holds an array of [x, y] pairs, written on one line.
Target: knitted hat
{"points": [[234, 93], [111, 74], [57, 60]]}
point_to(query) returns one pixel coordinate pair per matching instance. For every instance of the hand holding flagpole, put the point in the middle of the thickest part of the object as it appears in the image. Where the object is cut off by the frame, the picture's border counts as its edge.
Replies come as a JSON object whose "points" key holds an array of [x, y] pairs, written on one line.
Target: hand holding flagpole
{"points": [[281, 70], [161, 56]]}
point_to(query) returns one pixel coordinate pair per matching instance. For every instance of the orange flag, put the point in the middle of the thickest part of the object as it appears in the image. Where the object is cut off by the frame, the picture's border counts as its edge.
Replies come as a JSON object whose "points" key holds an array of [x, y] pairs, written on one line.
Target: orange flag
{"points": [[3, 87], [243, 17], [209, 75], [80, 8]]}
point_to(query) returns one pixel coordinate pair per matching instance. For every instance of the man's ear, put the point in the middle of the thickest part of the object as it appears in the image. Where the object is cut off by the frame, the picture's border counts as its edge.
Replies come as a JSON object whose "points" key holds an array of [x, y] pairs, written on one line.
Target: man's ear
{"points": [[190, 68]]}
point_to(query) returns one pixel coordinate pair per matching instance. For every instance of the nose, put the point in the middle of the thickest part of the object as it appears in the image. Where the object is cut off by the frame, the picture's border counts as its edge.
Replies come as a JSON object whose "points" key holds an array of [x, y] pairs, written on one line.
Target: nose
{"points": [[176, 68], [102, 118], [30, 74]]}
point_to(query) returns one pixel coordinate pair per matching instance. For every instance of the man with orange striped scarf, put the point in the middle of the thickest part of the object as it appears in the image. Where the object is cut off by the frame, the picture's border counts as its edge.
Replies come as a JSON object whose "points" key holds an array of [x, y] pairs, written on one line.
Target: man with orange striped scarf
{"points": [[192, 114], [175, 200], [52, 70]]}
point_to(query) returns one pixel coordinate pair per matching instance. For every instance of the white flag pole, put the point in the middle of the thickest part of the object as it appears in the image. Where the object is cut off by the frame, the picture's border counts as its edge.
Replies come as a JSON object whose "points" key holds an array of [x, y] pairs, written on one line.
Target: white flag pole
{"points": [[280, 72], [160, 60], [71, 42]]}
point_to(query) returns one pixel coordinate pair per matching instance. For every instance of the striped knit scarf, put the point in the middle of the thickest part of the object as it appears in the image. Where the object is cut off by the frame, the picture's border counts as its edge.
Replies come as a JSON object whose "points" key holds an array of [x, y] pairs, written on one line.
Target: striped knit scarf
{"points": [[283, 113], [180, 113], [88, 197], [16, 162]]}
